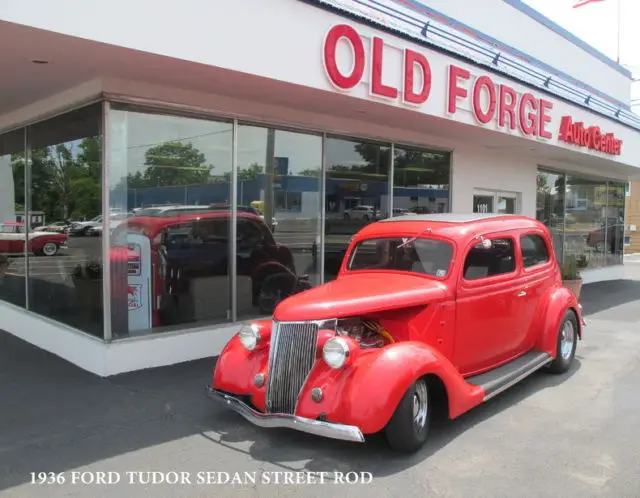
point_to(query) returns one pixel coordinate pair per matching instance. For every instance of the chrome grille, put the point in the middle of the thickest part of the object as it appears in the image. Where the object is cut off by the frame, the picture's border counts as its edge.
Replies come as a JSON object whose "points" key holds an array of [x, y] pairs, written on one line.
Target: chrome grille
{"points": [[292, 355]]}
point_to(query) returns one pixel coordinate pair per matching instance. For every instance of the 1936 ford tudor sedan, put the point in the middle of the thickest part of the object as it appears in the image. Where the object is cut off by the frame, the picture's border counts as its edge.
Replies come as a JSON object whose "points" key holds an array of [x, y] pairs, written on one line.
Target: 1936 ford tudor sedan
{"points": [[464, 306]]}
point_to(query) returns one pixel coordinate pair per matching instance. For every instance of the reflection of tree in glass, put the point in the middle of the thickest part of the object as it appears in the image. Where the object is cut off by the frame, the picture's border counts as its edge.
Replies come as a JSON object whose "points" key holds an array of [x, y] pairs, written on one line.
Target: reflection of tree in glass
{"points": [[171, 164], [247, 174], [63, 186], [411, 167]]}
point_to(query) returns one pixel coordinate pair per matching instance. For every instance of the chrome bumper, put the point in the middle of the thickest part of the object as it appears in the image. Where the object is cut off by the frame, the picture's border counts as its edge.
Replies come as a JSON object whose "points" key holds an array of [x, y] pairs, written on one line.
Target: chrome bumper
{"points": [[316, 427]]}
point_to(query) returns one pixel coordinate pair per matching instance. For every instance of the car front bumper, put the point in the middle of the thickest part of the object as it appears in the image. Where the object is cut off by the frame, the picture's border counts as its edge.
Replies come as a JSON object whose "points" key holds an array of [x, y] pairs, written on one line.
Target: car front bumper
{"points": [[316, 427]]}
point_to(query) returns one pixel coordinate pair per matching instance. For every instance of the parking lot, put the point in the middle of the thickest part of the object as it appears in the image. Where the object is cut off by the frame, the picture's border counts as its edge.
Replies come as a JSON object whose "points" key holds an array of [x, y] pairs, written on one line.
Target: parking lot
{"points": [[572, 435]]}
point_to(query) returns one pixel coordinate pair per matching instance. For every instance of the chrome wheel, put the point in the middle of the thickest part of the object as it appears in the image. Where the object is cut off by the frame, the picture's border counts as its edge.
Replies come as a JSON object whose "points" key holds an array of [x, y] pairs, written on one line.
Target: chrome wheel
{"points": [[420, 405], [567, 338], [49, 249]]}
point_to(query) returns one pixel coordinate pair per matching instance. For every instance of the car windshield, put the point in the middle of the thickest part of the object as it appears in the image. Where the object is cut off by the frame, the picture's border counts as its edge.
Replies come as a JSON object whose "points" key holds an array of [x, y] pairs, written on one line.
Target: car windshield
{"points": [[418, 255]]}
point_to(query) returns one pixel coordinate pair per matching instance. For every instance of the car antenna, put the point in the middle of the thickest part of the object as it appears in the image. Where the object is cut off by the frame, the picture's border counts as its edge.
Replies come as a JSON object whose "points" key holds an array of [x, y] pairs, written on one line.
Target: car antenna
{"points": [[413, 239]]}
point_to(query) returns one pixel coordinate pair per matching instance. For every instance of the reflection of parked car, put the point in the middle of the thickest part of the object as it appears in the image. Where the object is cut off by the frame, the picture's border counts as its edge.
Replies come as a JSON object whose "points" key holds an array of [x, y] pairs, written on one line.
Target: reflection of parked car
{"points": [[360, 213], [114, 222], [13, 237], [56, 227], [83, 228], [611, 230], [196, 245], [427, 309]]}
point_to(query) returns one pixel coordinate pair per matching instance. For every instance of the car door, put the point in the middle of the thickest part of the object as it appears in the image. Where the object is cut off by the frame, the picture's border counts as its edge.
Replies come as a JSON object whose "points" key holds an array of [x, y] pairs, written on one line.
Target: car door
{"points": [[487, 326], [535, 280]]}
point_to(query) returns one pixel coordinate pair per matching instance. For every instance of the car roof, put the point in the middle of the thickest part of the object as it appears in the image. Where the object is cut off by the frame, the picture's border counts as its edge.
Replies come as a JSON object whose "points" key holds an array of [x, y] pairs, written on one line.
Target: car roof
{"points": [[449, 225]]}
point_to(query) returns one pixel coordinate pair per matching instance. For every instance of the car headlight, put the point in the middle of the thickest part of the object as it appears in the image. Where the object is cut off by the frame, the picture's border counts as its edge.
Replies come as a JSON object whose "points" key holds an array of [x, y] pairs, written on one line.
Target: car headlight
{"points": [[249, 336], [336, 352]]}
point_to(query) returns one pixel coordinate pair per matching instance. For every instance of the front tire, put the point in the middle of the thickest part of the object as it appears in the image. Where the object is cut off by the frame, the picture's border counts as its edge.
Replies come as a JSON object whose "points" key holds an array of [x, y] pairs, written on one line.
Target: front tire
{"points": [[49, 249], [408, 428], [566, 344]]}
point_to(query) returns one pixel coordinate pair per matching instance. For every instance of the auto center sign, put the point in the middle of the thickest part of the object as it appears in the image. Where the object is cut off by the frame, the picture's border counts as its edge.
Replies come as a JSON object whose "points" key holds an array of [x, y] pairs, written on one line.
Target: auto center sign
{"points": [[490, 102]]}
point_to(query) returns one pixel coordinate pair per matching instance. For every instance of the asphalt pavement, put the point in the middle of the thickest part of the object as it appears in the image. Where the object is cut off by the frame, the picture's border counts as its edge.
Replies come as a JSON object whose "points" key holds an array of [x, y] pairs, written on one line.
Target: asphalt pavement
{"points": [[573, 435]]}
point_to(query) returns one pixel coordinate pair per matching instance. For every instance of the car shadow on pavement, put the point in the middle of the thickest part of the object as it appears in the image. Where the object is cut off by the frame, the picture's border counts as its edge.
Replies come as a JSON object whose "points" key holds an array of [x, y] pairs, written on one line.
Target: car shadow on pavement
{"points": [[295, 451], [601, 296]]}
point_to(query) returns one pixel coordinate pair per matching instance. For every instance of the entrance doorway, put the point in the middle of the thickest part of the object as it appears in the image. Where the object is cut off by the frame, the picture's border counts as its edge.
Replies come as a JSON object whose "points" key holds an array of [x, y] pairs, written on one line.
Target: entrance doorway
{"points": [[494, 201]]}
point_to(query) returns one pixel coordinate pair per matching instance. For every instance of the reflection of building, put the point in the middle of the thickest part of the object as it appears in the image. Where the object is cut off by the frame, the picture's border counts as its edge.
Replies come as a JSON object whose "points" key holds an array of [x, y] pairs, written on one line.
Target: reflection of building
{"points": [[322, 145]]}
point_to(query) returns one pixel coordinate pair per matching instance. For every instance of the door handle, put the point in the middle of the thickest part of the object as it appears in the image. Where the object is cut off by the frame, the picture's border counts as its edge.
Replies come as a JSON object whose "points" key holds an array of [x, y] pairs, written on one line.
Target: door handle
{"points": [[522, 293]]}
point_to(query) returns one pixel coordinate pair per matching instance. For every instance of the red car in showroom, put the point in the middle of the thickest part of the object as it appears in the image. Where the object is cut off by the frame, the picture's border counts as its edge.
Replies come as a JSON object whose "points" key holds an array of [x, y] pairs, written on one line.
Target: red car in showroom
{"points": [[13, 238], [464, 305]]}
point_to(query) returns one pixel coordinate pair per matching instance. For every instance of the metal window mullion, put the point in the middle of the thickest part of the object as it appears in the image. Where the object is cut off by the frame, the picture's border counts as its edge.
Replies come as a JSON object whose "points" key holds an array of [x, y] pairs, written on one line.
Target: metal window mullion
{"points": [[564, 217], [323, 202], [233, 249], [606, 224], [27, 212], [392, 151], [106, 235]]}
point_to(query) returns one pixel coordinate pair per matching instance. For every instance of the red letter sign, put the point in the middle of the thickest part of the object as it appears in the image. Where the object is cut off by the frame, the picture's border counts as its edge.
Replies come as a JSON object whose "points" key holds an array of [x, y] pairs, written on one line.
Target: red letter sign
{"points": [[528, 121], [377, 86], [455, 91], [507, 108], [411, 59], [482, 116], [545, 106], [331, 66]]}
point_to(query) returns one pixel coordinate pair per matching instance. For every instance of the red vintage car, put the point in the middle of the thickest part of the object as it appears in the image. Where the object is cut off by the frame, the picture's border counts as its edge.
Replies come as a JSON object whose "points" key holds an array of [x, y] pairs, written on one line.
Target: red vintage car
{"points": [[465, 306], [13, 238]]}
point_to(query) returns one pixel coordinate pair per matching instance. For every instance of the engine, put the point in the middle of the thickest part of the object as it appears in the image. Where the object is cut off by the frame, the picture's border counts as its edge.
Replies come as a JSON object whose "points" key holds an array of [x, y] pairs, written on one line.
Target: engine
{"points": [[368, 333]]}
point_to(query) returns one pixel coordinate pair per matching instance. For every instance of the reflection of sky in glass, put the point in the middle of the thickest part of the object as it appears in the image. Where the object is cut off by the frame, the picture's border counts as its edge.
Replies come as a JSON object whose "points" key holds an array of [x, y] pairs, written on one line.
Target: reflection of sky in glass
{"points": [[213, 139]]}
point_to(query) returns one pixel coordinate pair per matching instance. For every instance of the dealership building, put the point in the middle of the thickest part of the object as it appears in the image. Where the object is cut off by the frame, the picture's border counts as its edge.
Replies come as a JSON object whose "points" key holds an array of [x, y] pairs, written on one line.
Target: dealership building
{"points": [[321, 116]]}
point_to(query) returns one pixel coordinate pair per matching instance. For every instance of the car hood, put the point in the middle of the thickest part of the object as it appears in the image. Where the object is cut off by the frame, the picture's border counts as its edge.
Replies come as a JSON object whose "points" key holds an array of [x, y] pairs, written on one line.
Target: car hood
{"points": [[356, 294]]}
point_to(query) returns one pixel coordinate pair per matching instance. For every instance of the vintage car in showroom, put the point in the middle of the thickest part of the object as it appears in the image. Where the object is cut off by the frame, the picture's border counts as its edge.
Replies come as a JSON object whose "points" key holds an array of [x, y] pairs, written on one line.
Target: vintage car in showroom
{"points": [[13, 238], [426, 309]]}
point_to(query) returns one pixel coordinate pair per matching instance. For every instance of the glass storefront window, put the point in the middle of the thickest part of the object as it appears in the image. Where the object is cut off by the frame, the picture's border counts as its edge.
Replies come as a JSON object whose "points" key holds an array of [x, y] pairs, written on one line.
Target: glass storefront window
{"points": [[13, 261], [421, 181], [357, 193], [615, 222], [279, 179], [170, 195], [550, 200], [65, 204], [585, 221]]}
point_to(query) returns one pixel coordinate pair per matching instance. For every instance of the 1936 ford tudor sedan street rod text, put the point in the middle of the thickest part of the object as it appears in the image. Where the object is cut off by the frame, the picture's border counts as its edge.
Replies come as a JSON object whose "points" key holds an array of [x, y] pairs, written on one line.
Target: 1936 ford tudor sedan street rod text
{"points": [[465, 306]]}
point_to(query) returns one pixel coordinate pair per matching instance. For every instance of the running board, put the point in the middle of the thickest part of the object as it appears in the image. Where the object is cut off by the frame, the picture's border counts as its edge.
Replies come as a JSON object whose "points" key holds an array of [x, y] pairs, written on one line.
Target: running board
{"points": [[502, 378]]}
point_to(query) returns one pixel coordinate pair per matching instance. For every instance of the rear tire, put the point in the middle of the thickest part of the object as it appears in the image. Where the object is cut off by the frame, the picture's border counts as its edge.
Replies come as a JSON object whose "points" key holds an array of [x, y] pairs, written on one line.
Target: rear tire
{"points": [[566, 344], [409, 426]]}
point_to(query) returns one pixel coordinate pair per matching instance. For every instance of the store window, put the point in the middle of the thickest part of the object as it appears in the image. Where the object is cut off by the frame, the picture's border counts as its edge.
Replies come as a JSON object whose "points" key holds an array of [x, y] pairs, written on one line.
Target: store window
{"points": [[65, 201], [421, 181], [279, 177], [13, 261], [616, 198], [493, 201], [357, 193], [550, 200], [170, 179], [585, 221]]}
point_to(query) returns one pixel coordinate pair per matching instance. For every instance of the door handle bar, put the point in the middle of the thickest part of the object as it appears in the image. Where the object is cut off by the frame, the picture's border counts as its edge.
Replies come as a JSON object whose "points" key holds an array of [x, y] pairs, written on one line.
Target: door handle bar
{"points": [[522, 293]]}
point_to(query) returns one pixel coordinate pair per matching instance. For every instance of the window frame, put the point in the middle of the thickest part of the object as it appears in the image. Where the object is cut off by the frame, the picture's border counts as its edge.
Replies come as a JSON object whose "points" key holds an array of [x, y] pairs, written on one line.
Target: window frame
{"points": [[479, 282], [539, 266], [346, 262]]}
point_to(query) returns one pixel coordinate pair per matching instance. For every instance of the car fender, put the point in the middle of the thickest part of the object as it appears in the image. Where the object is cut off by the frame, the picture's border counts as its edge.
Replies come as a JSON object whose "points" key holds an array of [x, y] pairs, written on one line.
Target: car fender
{"points": [[366, 392], [558, 302], [236, 369]]}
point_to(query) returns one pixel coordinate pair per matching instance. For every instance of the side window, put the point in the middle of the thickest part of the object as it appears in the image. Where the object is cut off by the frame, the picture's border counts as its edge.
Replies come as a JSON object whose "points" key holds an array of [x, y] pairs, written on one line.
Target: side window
{"points": [[497, 259], [249, 235], [534, 250]]}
